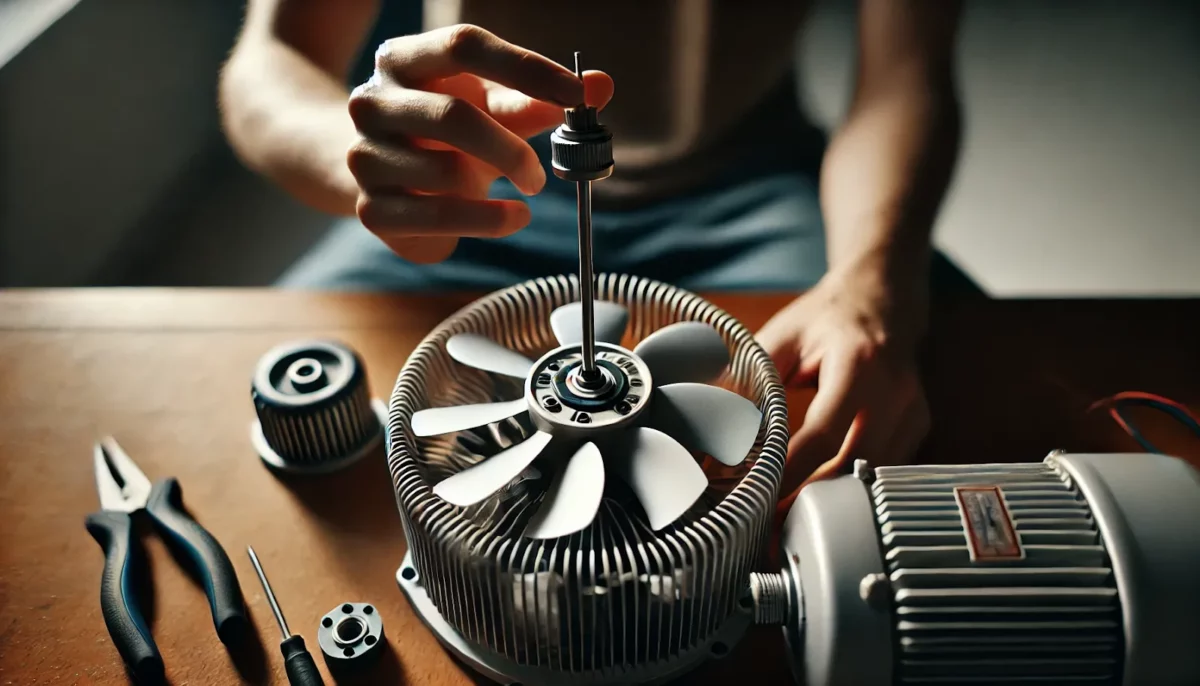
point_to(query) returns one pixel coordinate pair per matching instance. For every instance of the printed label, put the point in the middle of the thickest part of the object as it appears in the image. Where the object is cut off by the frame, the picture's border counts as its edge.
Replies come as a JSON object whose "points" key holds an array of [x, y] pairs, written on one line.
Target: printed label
{"points": [[987, 524]]}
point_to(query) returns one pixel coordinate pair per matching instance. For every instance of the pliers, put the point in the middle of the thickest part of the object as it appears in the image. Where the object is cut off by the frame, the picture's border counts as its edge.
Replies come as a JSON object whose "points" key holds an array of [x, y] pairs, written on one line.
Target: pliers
{"points": [[122, 495]]}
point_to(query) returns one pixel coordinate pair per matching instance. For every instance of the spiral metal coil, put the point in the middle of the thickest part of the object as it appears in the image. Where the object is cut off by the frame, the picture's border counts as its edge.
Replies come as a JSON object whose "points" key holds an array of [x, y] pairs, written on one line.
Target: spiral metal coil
{"points": [[616, 602]]}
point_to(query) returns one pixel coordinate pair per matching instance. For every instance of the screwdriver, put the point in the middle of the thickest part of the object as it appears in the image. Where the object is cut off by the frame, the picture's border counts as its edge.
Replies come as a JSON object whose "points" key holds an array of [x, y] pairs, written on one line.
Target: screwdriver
{"points": [[297, 662]]}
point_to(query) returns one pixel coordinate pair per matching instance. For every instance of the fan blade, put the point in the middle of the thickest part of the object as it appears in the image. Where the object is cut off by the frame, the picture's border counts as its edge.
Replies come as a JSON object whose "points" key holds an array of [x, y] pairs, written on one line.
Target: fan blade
{"points": [[610, 318], [574, 497], [478, 481], [661, 472], [483, 353], [706, 418], [686, 351], [443, 420]]}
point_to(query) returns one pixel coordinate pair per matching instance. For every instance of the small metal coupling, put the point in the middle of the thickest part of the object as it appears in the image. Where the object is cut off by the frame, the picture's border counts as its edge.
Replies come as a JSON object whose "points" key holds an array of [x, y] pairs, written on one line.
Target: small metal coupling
{"points": [[770, 595], [581, 148]]}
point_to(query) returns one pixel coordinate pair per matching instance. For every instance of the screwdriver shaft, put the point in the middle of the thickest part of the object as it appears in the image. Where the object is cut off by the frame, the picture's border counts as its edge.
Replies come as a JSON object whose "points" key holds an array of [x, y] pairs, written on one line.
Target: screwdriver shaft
{"points": [[262, 577], [586, 277]]}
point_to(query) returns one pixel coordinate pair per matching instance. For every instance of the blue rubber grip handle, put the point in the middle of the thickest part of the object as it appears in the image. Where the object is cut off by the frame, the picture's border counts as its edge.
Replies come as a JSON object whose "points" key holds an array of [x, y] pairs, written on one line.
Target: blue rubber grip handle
{"points": [[165, 507], [124, 619]]}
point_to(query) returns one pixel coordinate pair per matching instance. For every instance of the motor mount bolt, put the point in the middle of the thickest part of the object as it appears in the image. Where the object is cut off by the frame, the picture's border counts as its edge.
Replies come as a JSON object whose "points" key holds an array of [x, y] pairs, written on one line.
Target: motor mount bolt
{"points": [[875, 590], [864, 472]]}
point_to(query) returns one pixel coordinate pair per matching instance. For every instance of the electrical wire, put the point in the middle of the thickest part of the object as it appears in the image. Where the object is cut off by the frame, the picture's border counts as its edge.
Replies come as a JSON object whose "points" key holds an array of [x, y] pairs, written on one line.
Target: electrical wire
{"points": [[1118, 403]]}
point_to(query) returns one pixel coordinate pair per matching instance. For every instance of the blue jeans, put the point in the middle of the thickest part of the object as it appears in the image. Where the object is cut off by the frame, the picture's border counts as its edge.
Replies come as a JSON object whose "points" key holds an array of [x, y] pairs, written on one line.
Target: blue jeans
{"points": [[758, 229], [764, 234]]}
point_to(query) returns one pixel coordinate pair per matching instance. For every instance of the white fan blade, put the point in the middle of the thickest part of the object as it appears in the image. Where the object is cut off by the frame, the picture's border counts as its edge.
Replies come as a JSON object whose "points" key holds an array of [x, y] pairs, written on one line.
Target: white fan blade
{"points": [[574, 497], [483, 353], [706, 418], [479, 481], [610, 318], [661, 472], [686, 351], [443, 420]]}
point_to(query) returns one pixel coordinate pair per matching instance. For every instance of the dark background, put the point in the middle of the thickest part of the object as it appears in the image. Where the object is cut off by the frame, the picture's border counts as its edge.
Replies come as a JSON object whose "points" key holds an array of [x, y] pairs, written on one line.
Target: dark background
{"points": [[1080, 172]]}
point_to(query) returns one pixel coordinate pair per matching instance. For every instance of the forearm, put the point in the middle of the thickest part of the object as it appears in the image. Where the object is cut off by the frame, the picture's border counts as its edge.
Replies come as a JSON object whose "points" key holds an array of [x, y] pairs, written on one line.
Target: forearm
{"points": [[287, 119], [884, 178]]}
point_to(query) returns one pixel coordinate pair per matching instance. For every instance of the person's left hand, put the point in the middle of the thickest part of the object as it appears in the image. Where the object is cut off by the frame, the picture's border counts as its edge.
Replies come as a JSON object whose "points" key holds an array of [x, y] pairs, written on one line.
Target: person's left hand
{"points": [[854, 339]]}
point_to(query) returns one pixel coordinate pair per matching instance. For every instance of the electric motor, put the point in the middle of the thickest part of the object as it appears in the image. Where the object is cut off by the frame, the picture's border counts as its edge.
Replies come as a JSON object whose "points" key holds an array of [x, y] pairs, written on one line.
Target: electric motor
{"points": [[1080, 569]]}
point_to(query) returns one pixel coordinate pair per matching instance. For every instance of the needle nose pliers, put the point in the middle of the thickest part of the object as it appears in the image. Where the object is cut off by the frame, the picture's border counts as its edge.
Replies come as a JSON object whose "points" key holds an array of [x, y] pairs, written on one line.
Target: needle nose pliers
{"points": [[125, 491]]}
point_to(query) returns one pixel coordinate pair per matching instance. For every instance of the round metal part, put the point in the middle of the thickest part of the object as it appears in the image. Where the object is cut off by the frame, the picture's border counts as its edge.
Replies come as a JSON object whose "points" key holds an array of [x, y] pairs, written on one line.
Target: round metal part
{"points": [[597, 385], [572, 390], [831, 544], [581, 148], [314, 411], [560, 402], [306, 374], [350, 636]]}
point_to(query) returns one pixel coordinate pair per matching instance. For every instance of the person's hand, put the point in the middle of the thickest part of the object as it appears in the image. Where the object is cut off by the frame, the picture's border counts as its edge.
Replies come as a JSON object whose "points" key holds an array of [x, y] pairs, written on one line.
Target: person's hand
{"points": [[855, 342], [445, 114]]}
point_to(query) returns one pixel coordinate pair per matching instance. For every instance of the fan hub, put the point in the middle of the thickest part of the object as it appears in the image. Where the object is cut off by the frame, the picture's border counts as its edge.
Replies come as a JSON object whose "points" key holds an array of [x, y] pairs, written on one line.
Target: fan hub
{"points": [[574, 386], [563, 399]]}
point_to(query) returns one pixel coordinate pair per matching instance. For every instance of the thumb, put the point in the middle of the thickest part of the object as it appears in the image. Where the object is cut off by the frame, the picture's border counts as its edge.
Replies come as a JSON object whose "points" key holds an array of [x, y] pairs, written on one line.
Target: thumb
{"points": [[527, 117]]}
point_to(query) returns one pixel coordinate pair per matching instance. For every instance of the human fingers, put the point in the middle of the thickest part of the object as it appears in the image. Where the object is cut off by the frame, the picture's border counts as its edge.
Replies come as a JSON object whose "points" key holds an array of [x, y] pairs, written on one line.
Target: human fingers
{"points": [[395, 114], [883, 418], [841, 390], [421, 250], [417, 59], [405, 215], [886, 432], [379, 167], [527, 117]]}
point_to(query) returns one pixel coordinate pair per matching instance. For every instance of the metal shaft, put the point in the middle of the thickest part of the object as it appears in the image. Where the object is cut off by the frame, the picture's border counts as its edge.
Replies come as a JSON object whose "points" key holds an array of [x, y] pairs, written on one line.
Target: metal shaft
{"points": [[262, 577], [586, 277]]}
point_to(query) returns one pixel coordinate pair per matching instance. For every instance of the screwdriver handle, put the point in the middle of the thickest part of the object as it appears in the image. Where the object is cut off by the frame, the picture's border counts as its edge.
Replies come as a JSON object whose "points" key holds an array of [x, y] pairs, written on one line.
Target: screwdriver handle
{"points": [[299, 664], [118, 602], [165, 506]]}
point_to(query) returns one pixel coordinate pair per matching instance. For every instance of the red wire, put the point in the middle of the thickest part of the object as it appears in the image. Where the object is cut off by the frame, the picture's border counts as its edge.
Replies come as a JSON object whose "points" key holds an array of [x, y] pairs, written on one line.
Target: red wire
{"points": [[1139, 395], [1113, 403]]}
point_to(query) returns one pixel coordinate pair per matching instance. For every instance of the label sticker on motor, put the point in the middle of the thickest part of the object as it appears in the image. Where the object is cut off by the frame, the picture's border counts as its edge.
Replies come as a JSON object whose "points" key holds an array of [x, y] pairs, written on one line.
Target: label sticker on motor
{"points": [[991, 536]]}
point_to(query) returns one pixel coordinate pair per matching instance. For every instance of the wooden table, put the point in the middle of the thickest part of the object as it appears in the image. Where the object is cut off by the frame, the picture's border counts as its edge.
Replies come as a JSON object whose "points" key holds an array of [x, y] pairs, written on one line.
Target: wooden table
{"points": [[167, 373]]}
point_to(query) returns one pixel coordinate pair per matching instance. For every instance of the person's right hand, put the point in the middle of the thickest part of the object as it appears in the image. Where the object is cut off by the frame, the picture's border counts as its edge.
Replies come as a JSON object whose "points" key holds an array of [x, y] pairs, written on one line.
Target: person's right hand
{"points": [[445, 114]]}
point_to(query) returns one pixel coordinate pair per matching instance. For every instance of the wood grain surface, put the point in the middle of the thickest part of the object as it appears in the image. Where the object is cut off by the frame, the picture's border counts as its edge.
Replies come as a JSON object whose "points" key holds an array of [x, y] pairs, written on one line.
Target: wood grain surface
{"points": [[167, 373]]}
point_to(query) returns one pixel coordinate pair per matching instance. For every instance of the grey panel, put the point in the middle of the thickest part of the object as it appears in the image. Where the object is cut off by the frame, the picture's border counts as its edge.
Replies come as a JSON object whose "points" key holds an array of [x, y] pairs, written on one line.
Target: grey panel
{"points": [[1148, 510], [831, 538]]}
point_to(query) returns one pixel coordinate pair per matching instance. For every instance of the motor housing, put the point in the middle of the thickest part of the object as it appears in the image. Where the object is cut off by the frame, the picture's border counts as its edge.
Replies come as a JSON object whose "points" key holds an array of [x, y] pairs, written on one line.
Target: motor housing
{"points": [[1080, 569]]}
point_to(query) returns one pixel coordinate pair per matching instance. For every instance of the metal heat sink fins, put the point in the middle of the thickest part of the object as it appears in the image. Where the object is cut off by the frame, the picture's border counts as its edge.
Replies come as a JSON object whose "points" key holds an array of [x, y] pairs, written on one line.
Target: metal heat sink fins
{"points": [[313, 406]]}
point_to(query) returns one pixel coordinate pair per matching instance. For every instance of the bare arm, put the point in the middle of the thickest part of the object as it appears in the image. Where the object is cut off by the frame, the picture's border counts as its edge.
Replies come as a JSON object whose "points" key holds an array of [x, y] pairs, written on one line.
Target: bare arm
{"points": [[888, 167], [282, 98], [853, 336]]}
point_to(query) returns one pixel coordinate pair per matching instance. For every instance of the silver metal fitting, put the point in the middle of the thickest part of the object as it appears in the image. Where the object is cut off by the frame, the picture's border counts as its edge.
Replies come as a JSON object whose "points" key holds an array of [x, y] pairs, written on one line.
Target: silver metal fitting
{"points": [[863, 471], [770, 595], [875, 590]]}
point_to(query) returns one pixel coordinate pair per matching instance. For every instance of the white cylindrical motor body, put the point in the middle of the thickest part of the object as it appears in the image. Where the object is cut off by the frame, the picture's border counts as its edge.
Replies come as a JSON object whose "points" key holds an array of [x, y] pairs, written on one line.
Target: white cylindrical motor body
{"points": [[1080, 569]]}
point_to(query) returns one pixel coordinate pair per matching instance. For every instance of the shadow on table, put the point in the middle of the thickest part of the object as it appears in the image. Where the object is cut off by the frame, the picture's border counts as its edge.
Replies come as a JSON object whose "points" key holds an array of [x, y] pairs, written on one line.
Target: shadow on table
{"points": [[387, 670], [248, 656], [356, 500]]}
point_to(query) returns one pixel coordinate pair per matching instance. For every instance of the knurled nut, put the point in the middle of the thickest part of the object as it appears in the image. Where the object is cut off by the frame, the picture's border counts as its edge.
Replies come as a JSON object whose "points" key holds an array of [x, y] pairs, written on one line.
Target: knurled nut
{"points": [[581, 155]]}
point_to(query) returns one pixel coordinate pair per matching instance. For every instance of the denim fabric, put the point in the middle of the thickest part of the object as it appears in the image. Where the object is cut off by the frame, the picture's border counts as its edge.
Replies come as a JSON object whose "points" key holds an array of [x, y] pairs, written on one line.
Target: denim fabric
{"points": [[759, 228]]}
